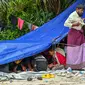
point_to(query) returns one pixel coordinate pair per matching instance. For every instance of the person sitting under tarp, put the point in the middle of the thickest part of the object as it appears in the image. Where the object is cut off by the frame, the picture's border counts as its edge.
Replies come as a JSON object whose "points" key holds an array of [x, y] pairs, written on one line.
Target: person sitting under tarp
{"points": [[28, 63], [58, 59], [49, 58], [21, 65]]}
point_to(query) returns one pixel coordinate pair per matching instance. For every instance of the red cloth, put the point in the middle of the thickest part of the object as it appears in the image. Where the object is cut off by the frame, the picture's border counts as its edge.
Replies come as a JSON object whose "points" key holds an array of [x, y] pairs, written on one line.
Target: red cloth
{"points": [[20, 23], [61, 58], [75, 37]]}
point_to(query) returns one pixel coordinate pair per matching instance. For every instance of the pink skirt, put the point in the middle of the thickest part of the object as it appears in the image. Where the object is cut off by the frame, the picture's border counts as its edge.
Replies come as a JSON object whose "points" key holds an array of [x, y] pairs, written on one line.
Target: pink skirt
{"points": [[75, 49]]}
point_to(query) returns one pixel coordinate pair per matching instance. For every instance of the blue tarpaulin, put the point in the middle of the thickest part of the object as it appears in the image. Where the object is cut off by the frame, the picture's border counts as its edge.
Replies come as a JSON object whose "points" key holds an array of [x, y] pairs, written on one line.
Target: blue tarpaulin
{"points": [[37, 40]]}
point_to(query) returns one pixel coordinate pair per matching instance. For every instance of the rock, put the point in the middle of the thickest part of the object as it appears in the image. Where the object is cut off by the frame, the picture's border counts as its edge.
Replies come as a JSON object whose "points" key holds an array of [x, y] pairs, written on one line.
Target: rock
{"points": [[29, 79]]}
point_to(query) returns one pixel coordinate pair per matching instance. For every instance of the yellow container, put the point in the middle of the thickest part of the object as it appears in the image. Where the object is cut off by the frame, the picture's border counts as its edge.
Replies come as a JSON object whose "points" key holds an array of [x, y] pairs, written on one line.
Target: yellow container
{"points": [[48, 76]]}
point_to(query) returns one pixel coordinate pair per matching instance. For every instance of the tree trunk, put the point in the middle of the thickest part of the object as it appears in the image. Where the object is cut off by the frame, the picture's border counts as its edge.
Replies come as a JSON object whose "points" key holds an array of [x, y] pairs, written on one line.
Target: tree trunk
{"points": [[53, 5]]}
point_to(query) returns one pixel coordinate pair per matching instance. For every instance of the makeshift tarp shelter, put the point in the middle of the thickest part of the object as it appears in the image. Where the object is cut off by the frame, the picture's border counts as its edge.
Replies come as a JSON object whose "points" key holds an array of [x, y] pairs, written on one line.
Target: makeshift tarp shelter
{"points": [[37, 40]]}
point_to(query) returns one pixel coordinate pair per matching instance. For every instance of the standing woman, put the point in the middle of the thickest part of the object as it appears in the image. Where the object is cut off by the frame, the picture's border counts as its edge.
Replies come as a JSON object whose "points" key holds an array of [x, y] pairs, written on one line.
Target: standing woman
{"points": [[75, 40]]}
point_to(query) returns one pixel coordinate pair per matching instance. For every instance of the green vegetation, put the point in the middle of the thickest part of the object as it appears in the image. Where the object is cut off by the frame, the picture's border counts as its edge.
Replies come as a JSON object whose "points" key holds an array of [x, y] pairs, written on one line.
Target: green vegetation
{"points": [[33, 11]]}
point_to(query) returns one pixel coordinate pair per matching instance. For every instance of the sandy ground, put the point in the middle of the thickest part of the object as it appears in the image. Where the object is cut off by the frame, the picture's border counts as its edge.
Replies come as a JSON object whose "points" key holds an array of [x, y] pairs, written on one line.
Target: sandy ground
{"points": [[41, 83], [57, 80]]}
